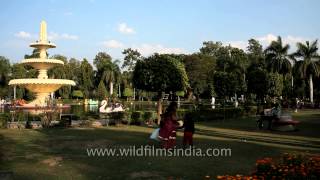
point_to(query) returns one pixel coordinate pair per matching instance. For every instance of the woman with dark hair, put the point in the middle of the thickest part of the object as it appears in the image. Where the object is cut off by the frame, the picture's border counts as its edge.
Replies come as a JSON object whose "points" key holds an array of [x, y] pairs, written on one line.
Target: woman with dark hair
{"points": [[168, 126]]}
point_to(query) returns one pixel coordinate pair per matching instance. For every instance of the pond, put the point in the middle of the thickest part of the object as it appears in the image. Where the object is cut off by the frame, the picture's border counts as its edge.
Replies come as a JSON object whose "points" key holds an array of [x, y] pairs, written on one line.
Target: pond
{"points": [[86, 111]]}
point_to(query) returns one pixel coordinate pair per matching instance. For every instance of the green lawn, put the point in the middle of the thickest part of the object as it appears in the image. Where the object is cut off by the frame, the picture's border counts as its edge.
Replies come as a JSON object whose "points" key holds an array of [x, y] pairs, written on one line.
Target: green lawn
{"points": [[61, 153]]}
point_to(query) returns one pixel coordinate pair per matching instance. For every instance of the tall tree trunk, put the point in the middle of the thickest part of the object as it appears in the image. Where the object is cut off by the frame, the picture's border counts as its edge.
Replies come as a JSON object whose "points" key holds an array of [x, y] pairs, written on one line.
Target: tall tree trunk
{"points": [[119, 95], [134, 94], [159, 111], [311, 88], [111, 88]]}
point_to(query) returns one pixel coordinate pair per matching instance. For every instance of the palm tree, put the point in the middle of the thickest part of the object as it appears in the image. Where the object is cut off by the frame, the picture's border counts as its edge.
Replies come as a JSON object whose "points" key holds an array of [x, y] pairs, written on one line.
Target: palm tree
{"points": [[309, 67], [278, 57], [111, 74]]}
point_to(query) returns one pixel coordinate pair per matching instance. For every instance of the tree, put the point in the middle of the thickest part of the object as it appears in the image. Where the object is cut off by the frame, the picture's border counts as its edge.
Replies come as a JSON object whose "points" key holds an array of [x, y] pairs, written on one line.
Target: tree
{"points": [[102, 91], [278, 57], [86, 77], [107, 70], [112, 74], [128, 92], [211, 48], [198, 68], [4, 76], [275, 85], [61, 72], [238, 65], [309, 67], [130, 58], [35, 54], [160, 73], [77, 94], [73, 70], [226, 84], [255, 52], [257, 82]]}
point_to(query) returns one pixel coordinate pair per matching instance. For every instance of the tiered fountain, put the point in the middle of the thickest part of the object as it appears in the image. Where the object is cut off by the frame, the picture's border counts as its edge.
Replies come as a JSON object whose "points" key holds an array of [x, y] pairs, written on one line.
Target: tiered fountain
{"points": [[41, 86]]}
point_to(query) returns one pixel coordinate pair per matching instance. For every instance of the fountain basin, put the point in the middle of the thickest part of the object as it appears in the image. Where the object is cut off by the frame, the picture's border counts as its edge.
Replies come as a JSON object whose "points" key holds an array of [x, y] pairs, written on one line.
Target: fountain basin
{"points": [[42, 63], [41, 44], [42, 88], [41, 85]]}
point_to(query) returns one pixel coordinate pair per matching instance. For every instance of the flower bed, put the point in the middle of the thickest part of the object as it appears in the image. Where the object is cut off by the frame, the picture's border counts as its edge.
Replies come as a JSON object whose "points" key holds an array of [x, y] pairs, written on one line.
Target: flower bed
{"points": [[290, 167]]}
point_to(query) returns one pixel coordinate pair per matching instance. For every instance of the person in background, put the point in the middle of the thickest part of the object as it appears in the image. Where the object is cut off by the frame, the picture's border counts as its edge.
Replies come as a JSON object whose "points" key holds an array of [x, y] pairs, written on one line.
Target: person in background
{"points": [[276, 113], [168, 127], [189, 129]]}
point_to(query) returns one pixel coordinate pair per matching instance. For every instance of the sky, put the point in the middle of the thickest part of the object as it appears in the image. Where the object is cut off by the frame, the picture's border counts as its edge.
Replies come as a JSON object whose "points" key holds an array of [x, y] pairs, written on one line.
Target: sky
{"points": [[82, 28]]}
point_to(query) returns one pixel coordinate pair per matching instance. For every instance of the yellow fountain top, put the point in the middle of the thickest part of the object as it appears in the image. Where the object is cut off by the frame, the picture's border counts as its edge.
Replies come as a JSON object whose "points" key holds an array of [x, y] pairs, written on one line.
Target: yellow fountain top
{"points": [[43, 42], [43, 31]]}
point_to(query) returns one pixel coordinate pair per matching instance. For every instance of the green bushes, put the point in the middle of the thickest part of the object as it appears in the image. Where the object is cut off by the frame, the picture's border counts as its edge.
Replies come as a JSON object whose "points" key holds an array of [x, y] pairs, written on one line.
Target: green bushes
{"points": [[117, 117], [148, 115], [251, 110], [221, 113], [215, 114], [3, 120], [136, 118]]}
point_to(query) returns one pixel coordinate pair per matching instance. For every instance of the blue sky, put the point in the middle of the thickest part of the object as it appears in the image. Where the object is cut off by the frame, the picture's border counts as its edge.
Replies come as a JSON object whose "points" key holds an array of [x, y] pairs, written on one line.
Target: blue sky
{"points": [[82, 28]]}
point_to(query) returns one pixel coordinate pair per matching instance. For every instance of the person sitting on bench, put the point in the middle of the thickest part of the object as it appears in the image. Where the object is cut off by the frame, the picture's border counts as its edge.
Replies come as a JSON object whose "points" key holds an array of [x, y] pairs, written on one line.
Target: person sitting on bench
{"points": [[276, 113]]}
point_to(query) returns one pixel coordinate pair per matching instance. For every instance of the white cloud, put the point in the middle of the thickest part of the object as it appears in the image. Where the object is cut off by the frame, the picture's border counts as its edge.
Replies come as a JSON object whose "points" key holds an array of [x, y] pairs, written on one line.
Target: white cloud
{"points": [[23, 35], [124, 29], [268, 38], [289, 39], [238, 44], [293, 40], [145, 49], [112, 44], [64, 36], [148, 49]]}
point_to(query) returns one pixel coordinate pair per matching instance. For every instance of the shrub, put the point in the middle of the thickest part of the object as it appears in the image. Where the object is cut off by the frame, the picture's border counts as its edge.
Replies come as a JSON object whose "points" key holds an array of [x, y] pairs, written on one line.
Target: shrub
{"points": [[250, 110], [215, 114], [148, 115], [128, 92], [117, 117], [136, 118], [294, 167], [3, 120], [77, 94]]}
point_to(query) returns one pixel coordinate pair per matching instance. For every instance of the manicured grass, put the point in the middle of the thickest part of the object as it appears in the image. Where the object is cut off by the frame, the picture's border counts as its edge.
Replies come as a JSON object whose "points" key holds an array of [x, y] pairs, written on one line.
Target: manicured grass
{"points": [[61, 153]]}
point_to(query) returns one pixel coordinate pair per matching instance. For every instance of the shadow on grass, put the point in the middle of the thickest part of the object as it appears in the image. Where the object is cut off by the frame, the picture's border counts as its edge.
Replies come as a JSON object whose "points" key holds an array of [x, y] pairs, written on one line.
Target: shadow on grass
{"points": [[61, 154]]}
